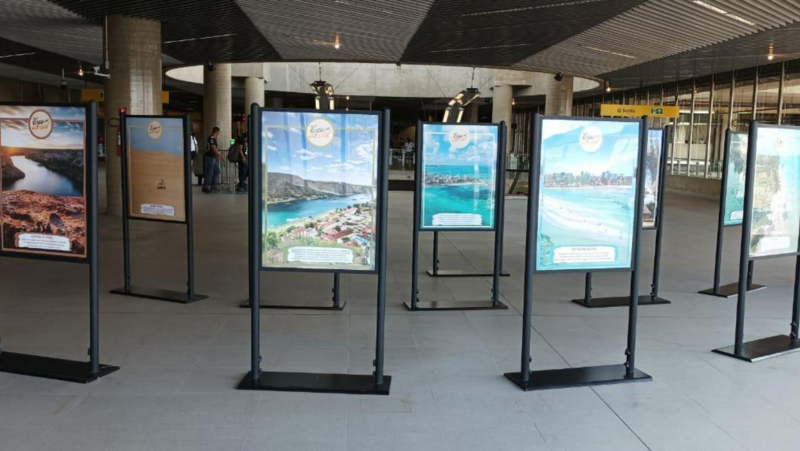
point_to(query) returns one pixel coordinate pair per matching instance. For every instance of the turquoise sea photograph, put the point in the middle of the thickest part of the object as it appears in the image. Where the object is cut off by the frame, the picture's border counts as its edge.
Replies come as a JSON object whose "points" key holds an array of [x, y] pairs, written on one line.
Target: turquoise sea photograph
{"points": [[775, 226], [587, 190], [319, 195], [459, 176], [734, 179]]}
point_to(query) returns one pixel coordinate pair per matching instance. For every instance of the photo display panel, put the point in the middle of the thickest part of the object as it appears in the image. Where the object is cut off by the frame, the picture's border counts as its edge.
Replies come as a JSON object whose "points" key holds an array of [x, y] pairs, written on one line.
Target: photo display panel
{"points": [[156, 168], [652, 182], [776, 192], [320, 189], [587, 194], [43, 209], [459, 176], [734, 179]]}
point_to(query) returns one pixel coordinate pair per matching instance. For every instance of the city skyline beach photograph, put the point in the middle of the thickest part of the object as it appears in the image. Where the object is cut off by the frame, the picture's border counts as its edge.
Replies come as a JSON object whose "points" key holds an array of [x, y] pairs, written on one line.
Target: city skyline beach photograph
{"points": [[587, 188], [320, 177], [43, 205], [156, 168], [459, 176]]}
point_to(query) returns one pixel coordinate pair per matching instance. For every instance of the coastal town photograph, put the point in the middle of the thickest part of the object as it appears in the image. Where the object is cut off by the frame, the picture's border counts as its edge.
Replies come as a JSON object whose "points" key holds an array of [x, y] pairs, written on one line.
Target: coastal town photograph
{"points": [[43, 205], [320, 190], [586, 207], [459, 176]]}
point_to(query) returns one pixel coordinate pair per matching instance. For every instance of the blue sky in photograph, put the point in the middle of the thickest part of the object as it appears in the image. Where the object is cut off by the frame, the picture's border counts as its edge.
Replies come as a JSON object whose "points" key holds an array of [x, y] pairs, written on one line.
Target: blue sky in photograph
{"points": [[482, 147], [171, 140], [562, 152], [351, 157]]}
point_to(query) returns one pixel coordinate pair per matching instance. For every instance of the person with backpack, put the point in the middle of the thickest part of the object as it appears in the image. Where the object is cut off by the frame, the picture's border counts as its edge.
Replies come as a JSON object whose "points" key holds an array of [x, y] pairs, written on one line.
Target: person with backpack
{"points": [[211, 161], [241, 153]]}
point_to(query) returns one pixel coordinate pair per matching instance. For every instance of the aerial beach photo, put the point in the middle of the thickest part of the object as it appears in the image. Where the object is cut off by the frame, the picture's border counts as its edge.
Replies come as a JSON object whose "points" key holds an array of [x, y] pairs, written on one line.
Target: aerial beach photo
{"points": [[320, 190], [156, 168], [587, 187], [776, 193], [459, 176], [43, 207]]}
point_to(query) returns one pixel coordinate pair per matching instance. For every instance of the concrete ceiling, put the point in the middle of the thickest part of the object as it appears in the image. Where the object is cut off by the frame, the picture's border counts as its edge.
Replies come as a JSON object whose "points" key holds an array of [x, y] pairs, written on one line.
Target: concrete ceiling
{"points": [[627, 42]]}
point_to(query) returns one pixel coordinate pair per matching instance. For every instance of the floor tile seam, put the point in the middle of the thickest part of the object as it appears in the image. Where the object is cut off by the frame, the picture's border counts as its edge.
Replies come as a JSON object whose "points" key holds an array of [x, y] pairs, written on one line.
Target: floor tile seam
{"points": [[619, 417]]}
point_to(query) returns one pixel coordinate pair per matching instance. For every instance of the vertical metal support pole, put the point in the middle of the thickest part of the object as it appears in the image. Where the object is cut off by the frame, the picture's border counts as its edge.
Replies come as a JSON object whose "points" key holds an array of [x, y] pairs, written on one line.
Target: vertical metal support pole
{"points": [[126, 231], [435, 253], [721, 216], [335, 290], [691, 130], [750, 268], [417, 214], [708, 132], [731, 99], [530, 250], [254, 221], [672, 157], [633, 312], [498, 216], [744, 258], [500, 225], [187, 179], [383, 149], [781, 96], [796, 305], [756, 81], [662, 184], [94, 263], [587, 289]]}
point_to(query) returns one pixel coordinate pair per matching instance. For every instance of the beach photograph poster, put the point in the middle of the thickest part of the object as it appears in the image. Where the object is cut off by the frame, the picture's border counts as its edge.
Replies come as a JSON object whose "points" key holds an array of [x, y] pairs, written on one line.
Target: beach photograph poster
{"points": [[43, 197], [459, 176], [652, 175], [734, 180], [587, 194], [775, 225], [320, 188], [156, 162]]}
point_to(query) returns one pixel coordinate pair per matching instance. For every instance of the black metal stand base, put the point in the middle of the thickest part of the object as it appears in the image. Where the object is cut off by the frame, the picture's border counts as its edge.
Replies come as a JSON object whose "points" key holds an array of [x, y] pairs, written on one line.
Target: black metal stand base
{"points": [[620, 301], [462, 273], [160, 295], [326, 306], [51, 368], [317, 383], [765, 348], [455, 305], [577, 377], [730, 290]]}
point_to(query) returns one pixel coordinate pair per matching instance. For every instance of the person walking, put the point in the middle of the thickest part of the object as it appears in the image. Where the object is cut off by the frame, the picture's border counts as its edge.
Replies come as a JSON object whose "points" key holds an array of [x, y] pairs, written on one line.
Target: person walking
{"points": [[241, 163], [211, 161]]}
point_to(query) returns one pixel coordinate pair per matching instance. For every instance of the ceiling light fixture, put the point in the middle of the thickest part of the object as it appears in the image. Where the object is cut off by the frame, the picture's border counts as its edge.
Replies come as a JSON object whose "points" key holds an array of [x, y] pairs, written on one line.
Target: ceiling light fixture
{"points": [[725, 13], [559, 76], [337, 43], [530, 8], [468, 49], [80, 70], [17, 54], [610, 52], [203, 38]]}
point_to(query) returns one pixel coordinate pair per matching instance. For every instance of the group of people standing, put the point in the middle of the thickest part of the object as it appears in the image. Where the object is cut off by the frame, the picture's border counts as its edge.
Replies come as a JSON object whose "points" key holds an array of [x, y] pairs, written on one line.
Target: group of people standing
{"points": [[212, 159]]}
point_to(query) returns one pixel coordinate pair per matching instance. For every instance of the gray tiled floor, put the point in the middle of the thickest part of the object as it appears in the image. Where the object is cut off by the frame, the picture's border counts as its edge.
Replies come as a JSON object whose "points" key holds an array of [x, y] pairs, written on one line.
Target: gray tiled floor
{"points": [[180, 364]]}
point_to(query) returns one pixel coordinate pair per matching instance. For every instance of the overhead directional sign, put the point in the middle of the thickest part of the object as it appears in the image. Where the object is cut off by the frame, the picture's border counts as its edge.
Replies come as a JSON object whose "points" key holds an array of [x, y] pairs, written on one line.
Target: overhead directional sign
{"points": [[639, 111]]}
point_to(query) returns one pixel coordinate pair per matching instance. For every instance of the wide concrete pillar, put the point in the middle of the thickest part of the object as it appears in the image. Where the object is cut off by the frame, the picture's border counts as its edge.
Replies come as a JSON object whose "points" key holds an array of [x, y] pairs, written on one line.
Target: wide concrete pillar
{"points": [[253, 92], [217, 104], [502, 109], [558, 98], [134, 51]]}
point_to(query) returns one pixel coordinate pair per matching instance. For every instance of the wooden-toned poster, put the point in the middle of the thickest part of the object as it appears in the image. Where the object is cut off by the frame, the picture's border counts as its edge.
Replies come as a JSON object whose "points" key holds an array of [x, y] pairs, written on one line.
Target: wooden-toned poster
{"points": [[43, 159], [156, 165]]}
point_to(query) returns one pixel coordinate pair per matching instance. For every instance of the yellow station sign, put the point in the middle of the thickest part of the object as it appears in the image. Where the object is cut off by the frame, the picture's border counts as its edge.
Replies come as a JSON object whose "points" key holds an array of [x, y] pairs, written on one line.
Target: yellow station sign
{"points": [[639, 110], [89, 94]]}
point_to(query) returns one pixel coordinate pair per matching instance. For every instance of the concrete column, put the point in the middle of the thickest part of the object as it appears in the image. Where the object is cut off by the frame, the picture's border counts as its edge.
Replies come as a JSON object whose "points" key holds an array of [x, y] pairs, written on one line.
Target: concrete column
{"points": [[502, 110], [217, 104], [253, 92], [558, 100], [471, 113], [134, 50]]}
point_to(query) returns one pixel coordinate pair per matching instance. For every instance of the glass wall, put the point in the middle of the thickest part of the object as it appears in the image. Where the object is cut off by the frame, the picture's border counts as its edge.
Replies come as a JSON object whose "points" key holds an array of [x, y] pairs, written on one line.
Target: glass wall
{"points": [[708, 107]]}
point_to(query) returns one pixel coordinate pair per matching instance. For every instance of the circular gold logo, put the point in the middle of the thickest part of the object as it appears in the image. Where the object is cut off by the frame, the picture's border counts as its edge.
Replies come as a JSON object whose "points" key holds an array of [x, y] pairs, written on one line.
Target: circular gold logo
{"points": [[154, 129], [40, 123]]}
